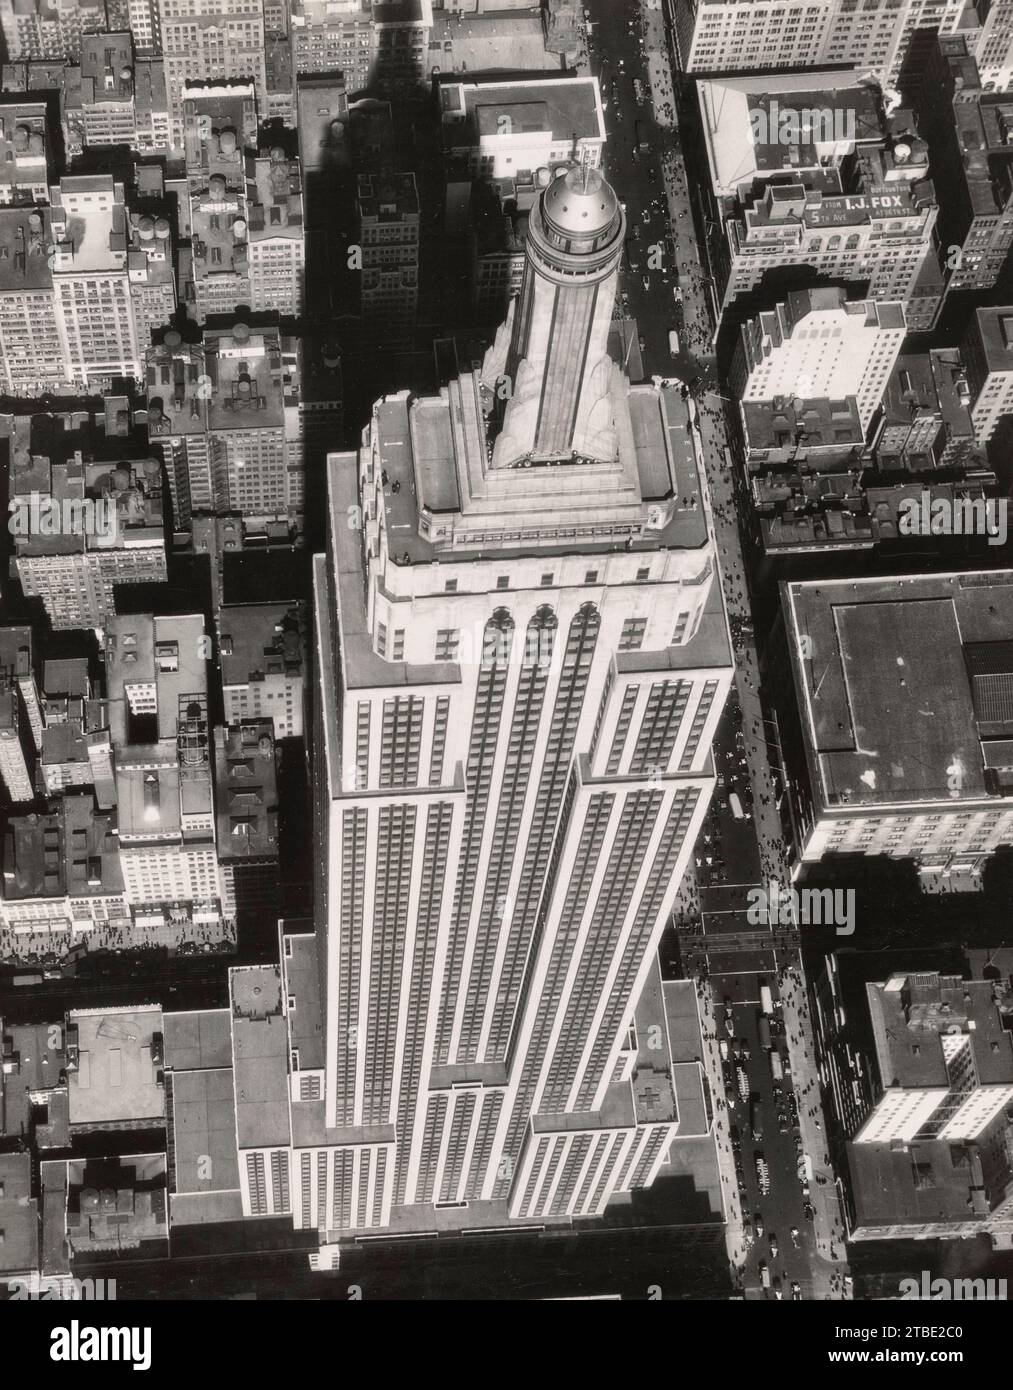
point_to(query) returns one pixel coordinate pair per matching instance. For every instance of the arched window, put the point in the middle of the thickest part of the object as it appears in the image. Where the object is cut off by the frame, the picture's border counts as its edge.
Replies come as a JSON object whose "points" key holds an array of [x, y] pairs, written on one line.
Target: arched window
{"points": [[498, 639], [540, 637]]}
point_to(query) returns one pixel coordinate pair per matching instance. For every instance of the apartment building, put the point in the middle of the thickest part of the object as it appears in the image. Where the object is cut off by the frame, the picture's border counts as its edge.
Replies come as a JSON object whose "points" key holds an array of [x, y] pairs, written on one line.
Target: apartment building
{"points": [[82, 528], [277, 233], [177, 388], [61, 871], [263, 662], [50, 29], [817, 343], [91, 279], [158, 714], [20, 715], [204, 40], [882, 38], [25, 151], [851, 201], [388, 208], [333, 36], [987, 351], [247, 426]]}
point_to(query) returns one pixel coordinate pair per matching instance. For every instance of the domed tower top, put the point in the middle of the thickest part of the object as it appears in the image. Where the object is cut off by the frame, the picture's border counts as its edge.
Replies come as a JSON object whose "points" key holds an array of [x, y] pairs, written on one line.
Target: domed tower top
{"points": [[579, 207]]}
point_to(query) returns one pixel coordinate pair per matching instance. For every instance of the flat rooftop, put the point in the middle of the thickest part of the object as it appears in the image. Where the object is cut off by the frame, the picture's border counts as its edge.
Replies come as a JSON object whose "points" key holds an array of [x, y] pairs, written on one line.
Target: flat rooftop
{"points": [[198, 1039], [142, 649], [19, 1215], [274, 197], [66, 676], [565, 107], [302, 979], [115, 1079], [728, 107], [204, 1127], [923, 1184], [912, 1013], [887, 693], [485, 43], [25, 233], [995, 328], [259, 640], [246, 375], [93, 238], [260, 1057], [814, 423], [105, 58]]}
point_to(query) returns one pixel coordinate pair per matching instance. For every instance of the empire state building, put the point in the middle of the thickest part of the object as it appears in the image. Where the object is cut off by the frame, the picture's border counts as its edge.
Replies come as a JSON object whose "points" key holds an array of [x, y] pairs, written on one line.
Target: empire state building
{"points": [[557, 364], [522, 656]]}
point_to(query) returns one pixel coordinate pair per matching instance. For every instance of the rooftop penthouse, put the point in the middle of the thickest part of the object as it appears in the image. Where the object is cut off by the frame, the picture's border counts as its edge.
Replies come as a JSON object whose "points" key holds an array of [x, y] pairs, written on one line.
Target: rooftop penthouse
{"points": [[219, 230], [175, 383], [247, 800], [75, 506], [247, 387], [24, 151], [25, 237], [274, 196]]}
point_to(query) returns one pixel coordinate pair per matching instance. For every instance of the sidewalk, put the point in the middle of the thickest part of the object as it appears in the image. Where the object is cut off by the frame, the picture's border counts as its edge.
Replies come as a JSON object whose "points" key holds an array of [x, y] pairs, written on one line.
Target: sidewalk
{"points": [[31, 949], [659, 73], [828, 1220], [734, 1239]]}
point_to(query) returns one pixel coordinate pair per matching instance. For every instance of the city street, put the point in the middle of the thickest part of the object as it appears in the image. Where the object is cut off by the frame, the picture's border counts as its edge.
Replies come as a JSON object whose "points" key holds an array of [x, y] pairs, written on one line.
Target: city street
{"points": [[734, 853]]}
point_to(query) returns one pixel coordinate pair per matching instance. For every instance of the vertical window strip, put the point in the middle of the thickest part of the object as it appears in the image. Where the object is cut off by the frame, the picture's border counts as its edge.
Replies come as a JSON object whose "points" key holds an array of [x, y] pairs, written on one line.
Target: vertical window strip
{"points": [[439, 740], [697, 728], [622, 729]]}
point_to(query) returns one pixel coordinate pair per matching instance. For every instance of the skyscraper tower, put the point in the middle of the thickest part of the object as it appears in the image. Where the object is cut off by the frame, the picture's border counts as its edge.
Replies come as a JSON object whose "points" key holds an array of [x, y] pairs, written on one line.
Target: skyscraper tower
{"points": [[557, 368], [519, 673]]}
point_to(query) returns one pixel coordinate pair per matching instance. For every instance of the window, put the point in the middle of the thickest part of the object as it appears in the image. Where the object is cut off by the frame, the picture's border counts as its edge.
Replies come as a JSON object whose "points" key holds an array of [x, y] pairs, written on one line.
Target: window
{"points": [[643, 575], [503, 581], [680, 629], [591, 577], [381, 638], [633, 634], [398, 644], [447, 642], [450, 587], [546, 580]]}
